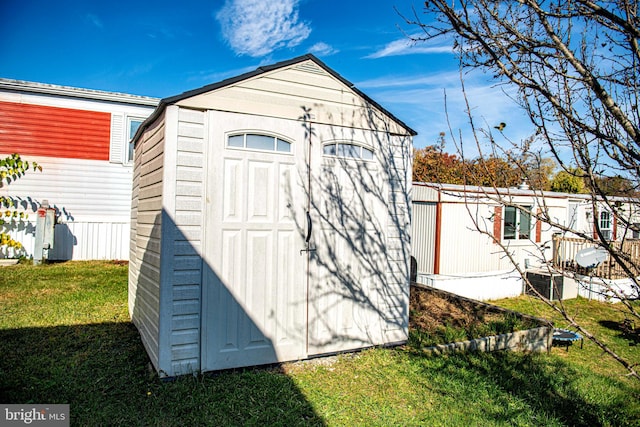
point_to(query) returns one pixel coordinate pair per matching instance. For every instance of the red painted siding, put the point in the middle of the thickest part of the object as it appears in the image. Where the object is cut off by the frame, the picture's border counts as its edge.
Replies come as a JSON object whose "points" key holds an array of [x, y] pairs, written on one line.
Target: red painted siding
{"points": [[36, 130], [497, 223]]}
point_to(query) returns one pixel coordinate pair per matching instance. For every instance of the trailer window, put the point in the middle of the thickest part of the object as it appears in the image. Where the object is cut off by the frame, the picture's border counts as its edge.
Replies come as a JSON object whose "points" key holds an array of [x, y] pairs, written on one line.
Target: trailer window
{"points": [[132, 127], [517, 223], [605, 225]]}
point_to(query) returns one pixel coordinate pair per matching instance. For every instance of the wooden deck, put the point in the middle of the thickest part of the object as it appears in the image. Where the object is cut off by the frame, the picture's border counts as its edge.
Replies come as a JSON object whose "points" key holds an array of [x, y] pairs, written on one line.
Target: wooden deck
{"points": [[566, 248]]}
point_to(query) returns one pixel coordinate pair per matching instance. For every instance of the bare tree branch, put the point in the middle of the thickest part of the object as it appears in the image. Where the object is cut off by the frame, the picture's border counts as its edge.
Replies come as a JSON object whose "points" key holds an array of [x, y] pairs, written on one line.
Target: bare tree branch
{"points": [[576, 67]]}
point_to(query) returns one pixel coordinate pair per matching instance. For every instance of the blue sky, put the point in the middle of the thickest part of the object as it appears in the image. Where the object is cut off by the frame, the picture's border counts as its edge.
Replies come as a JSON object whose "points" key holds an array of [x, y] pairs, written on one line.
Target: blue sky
{"points": [[164, 48]]}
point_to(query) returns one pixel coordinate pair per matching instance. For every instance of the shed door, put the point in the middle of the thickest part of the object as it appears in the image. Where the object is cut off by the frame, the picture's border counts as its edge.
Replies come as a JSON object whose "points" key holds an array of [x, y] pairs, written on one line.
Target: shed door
{"points": [[254, 307], [347, 269]]}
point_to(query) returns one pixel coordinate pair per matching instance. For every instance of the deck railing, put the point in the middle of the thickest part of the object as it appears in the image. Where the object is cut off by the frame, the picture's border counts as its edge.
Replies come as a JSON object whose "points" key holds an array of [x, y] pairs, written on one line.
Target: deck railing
{"points": [[565, 250]]}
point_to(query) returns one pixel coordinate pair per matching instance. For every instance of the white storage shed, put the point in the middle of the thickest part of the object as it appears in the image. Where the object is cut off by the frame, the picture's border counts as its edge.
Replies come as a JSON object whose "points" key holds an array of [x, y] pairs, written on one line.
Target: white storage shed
{"points": [[270, 222]]}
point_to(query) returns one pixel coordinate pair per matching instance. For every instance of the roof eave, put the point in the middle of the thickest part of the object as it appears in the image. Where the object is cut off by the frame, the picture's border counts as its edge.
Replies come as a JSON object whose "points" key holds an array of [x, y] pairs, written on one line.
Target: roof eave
{"points": [[74, 92]]}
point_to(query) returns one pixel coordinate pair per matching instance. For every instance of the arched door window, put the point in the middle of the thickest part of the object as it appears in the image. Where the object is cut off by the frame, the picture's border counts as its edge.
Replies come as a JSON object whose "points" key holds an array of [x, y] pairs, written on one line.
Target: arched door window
{"points": [[257, 141], [348, 150]]}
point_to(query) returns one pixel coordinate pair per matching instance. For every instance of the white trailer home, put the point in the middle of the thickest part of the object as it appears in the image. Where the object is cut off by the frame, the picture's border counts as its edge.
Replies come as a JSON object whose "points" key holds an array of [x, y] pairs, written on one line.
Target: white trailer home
{"points": [[270, 222], [455, 228], [81, 138]]}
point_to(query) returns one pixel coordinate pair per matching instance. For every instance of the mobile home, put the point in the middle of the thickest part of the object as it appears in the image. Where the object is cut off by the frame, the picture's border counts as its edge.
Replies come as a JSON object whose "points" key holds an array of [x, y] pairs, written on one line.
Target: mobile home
{"points": [[456, 230], [81, 138]]}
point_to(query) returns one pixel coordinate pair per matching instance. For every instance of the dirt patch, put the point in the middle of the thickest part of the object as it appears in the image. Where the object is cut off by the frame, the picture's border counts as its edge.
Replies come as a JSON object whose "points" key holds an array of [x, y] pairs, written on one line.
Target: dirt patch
{"points": [[437, 317], [429, 310]]}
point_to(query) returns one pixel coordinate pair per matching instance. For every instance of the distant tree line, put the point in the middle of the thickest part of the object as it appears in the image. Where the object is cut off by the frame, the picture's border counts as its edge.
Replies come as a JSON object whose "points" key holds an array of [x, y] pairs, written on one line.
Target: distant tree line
{"points": [[433, 164]]}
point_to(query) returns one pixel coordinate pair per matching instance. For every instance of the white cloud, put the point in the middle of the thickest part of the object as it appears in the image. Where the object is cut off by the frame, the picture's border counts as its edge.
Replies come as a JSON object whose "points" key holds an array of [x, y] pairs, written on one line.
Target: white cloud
{"points": [[406, 46], [258, 27], [94, 20], [420, 101], [208, 76], [446, 78], [322, 48]]}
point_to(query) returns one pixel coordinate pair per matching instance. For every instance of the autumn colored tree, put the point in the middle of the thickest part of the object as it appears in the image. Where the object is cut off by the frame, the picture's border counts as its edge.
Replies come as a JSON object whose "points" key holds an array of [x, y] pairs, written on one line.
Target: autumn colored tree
{"points": [[539, 171], [431, 164], [493, 171]]}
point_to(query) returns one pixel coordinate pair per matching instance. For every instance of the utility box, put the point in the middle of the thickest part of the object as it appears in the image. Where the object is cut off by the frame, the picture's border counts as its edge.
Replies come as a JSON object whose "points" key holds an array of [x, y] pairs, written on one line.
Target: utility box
{"points": [[45, 224]]}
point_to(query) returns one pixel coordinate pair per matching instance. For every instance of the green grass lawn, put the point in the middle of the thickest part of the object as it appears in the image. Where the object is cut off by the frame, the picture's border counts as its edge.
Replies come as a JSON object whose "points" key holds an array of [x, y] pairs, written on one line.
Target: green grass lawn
{"points": [[65, 337]]}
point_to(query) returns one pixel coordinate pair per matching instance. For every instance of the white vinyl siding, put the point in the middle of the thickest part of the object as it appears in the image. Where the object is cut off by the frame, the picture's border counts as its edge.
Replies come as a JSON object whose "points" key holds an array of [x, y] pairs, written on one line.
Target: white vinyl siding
{"points": [[145, 256], [186, 259], [289, 93], [93, 199], [423, 235], [394, 292], [469, 222]]}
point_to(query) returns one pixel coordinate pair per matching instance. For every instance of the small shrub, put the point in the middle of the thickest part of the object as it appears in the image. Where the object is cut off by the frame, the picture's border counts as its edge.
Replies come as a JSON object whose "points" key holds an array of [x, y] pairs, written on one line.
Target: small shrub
{"points": [[12, 168], [480, 330], [449, 333]]}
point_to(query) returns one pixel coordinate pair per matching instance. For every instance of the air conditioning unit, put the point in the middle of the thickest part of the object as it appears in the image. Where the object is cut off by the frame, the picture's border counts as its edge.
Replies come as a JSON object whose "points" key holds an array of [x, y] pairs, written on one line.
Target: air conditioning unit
{"points": [[552, 285]]}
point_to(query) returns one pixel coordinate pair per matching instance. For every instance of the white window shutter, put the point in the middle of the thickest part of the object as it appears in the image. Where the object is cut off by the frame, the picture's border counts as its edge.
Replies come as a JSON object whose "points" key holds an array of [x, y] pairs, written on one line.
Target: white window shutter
{"points": [[116, 151]]}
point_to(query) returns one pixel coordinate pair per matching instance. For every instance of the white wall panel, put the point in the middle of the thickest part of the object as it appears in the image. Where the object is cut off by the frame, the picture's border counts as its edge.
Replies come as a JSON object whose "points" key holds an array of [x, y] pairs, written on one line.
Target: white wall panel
{"points": [[81, 190], [423, 235], [479, 286], [463, 248], [185, 203], [80, 241]]}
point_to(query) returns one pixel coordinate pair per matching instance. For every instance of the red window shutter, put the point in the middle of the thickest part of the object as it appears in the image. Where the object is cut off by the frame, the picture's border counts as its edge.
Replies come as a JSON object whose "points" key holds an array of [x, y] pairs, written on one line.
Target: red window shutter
{"points": [[538, 227], [614, 229], [497, 222]]}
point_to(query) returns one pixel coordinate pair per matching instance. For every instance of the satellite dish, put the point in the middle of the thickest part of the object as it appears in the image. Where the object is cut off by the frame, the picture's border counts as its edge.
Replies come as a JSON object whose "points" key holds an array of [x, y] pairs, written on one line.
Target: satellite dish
{"points": [[591, 257]]}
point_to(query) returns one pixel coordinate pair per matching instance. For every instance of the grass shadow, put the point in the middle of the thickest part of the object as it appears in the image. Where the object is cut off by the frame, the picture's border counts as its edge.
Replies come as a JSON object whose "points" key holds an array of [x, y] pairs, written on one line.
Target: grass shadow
{"points": [[549, 386], [625, 331], [609, 324], [103, 372]]}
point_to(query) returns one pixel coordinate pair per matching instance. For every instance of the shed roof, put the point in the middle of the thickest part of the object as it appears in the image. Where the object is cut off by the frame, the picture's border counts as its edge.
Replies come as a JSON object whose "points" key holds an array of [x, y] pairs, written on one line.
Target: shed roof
{"points": [[260, 71]]}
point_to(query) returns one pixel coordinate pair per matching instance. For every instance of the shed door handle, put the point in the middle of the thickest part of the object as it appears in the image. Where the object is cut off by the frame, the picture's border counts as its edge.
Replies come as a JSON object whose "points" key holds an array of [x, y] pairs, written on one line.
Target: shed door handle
{"points": [[309, 227]]}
